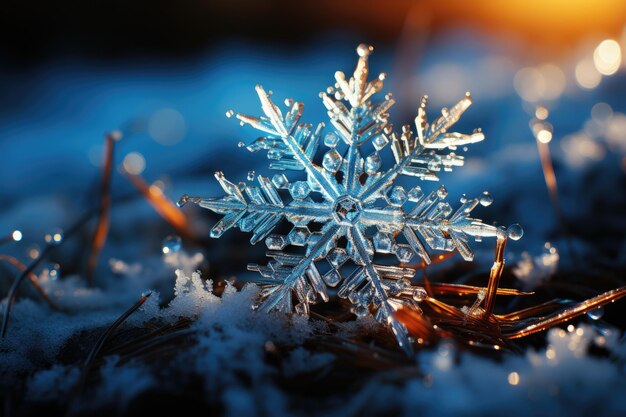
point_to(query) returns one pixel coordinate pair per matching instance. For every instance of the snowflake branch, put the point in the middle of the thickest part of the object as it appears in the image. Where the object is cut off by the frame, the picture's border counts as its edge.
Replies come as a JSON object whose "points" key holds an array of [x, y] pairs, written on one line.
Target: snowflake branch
{"points": [[327, 185], [433, 137], [385, 310]]}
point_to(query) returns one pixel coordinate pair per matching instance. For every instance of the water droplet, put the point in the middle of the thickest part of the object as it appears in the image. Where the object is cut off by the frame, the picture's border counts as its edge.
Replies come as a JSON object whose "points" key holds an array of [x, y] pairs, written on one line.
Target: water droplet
{"points": [[171, 244], [33, 252], [55, 237], [596, 314], [288, 102], [442, 192], [515, 232], [463, 199], [250, 176], [419, 293], [52, 271], [241, 144], [229, 113], [364, 49], [16, 235], [486, 199], [183, 200]]}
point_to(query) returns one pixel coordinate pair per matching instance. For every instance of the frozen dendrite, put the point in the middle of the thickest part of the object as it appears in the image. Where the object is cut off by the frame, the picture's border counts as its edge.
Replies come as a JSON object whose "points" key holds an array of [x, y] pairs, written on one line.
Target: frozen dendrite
{"points": [[349, 208]]}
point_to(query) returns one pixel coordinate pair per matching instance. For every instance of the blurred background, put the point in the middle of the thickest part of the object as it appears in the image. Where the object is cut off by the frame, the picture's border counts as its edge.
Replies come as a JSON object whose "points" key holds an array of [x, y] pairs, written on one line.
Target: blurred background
{"points": [[164, 74]]}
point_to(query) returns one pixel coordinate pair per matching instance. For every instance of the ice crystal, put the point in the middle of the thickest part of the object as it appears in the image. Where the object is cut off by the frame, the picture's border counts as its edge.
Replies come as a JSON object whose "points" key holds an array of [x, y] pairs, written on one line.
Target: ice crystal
{"points": [[350, 208]]}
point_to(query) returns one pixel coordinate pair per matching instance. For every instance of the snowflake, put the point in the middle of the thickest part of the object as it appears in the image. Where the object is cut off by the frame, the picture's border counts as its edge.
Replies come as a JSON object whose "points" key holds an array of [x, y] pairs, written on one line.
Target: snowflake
{"points": [[349, 208]]}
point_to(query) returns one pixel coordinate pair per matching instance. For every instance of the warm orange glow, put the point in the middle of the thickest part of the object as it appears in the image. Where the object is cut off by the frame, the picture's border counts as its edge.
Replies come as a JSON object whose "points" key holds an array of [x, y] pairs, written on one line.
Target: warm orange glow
{"points": [[547, 24]]}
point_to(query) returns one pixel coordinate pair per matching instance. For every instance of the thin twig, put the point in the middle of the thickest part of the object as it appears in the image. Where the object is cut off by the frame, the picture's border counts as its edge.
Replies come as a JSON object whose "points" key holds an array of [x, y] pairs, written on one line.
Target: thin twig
{"points": [[102, 228], [107, 333], [570, 313], [162, 205], [495, 274], [33, 279]]}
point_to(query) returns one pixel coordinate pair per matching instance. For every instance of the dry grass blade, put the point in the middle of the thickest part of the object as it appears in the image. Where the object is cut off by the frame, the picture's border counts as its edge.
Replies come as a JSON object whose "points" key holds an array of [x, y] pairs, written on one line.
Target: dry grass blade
{"points": [[102, 228], [568, 313], [532, 311], [360, 355], [495, 274], [418, 325], [139, 343], [107, 334], [460, 290], [33, 279]]}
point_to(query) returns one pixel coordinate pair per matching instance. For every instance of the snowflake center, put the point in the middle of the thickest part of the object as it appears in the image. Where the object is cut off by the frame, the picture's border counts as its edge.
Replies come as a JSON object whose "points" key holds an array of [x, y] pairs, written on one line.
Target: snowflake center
{"points": [[347, 210]]}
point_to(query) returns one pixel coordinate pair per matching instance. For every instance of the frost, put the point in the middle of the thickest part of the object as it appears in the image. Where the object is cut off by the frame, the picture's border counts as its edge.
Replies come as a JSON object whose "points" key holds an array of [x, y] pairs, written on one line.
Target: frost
{"points": [[118, 386], [351, 197], [53, 383], [191, 295], [533, 271], [302, 361]]}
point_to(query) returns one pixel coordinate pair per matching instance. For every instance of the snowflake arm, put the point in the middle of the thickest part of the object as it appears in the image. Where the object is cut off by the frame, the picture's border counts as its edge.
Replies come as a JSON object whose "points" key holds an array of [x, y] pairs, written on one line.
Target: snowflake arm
{"points": [[385, 310], [274, 124], [419, 157], [261, 211], [298, 274]]}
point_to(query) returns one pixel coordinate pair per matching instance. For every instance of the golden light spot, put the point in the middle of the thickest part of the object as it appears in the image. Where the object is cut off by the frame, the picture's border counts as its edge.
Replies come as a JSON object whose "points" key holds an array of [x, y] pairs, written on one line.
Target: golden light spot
{"points": [[544, 136], [134, 163], [607, 57], [587, 76], [513, 378], [541, 113]]}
